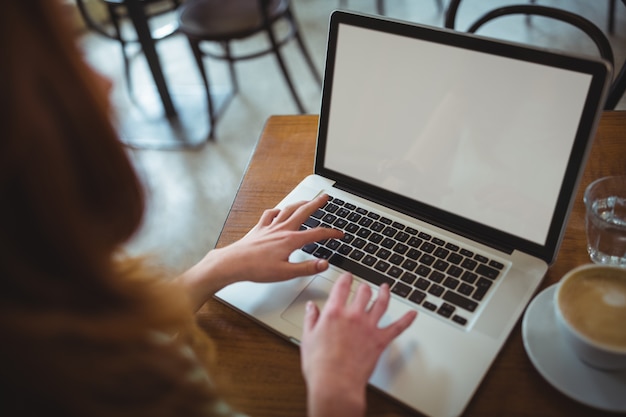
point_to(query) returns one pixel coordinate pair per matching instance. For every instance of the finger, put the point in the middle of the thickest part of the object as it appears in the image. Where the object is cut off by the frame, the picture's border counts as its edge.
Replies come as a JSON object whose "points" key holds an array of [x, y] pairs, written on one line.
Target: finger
{"points": [[396, 328], [268, 216], [289, 209], [303, 211], [302, 269], [362, 297], [311, 315], [316, 234], [340, 291], [381, 303]]}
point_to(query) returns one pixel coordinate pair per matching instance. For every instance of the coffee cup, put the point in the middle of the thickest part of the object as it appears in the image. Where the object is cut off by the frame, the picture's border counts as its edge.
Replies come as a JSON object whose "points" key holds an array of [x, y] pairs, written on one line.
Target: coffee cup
{"points": [[590, 304]]}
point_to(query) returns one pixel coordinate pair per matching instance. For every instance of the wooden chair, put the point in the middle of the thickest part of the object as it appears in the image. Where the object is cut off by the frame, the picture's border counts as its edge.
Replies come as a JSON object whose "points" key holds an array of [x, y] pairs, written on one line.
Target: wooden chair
{"points": [[588, 27], [380, 5], [225, 21], [112, 28]]}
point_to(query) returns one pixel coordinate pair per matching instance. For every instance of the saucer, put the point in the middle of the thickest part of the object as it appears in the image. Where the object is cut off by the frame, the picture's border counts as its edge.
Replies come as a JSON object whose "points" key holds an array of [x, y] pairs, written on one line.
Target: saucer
{"points": [[560, 366]]}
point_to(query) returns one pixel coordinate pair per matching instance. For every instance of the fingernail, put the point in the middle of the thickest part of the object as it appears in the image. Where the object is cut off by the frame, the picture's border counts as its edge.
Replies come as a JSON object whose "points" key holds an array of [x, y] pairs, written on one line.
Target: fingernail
{"points": [[321, 265]]}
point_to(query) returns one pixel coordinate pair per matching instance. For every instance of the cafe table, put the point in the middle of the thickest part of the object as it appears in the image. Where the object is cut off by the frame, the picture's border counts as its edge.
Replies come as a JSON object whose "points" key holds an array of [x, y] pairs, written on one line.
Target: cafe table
{"points": [[260, 371]]}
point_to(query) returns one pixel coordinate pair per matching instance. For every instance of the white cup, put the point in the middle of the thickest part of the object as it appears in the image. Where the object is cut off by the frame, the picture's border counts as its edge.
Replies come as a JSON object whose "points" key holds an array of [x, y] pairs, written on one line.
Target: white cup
{"points": [[590, 304]]}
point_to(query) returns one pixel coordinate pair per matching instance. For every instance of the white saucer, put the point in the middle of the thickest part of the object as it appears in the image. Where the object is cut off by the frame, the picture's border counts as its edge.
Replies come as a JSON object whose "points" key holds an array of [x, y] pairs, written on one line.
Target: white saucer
{"points": [[557, 363]]}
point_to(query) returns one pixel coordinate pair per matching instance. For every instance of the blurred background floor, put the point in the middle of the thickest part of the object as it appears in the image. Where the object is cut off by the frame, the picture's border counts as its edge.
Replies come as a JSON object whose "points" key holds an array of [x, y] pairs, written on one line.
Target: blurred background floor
{"points": [[190, 191]]}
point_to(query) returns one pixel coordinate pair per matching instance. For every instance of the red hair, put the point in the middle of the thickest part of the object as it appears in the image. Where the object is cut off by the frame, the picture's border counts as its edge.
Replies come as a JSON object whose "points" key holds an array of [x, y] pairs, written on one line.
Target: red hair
{"points": [[76, 320]]}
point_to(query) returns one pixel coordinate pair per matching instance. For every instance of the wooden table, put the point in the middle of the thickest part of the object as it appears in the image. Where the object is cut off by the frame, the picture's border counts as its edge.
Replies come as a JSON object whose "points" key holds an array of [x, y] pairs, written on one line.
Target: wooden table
{"points": [[262, 371]]}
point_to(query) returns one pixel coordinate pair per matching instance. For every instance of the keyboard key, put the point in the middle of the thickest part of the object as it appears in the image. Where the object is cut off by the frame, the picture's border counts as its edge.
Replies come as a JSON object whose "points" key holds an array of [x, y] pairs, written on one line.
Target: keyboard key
{"points": [[465, 289], [436, 290], [375, 237], [455, 258], [496, 264], [430, 306], [438, 241], [422, 284], [481, 258], [441, 265], [322, 253], [331, 208], [427, 259], [424, 236], [370, 248], [413, 254], [417, 296], [310, 248], [423, 271], [451, 283], [409, 264], [460, 320], [436, 276], [400, 248], [469, 277], [460, 301], [312, 222], [382, 266], [398, 225], [378, 226], [359, 270], [390, 231], [427, 247], [357, 255], [441, 253], [402, 237], [401, 289], [415, 242], [455, 271], [452, 247], [486, 271], [408, 277], [388, 243], [396, 259], [394, 271], [446, 310], [369, 260]]}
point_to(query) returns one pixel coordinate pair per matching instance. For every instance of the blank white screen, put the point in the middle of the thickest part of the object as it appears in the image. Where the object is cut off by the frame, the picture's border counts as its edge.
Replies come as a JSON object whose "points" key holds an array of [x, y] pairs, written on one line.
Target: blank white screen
{"points": [[481, 136]]}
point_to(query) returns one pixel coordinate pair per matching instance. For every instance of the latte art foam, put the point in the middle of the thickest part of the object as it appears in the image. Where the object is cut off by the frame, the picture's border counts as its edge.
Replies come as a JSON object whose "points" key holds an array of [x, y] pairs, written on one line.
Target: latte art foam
{"points": [[594, 303]]}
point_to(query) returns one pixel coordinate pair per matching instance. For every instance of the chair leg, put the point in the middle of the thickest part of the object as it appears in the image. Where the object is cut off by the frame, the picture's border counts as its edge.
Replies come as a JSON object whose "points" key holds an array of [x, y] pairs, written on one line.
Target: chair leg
{"points": [[197, 53], [115, 20], [231, 66], [303, 49], [283, 67]]}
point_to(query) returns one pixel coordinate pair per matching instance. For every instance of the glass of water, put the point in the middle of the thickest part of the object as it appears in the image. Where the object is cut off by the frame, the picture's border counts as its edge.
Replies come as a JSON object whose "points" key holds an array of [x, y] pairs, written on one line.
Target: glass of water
{"points": [[605, 201]]}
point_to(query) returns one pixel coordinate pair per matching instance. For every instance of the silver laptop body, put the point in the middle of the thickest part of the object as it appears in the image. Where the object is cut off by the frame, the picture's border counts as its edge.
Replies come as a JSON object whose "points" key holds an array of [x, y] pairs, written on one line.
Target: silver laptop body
{"points": [[474, 143]]}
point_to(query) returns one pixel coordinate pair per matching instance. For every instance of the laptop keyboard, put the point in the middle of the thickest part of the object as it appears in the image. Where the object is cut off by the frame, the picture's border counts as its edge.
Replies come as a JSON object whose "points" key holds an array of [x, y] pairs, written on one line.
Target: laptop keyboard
{"points": [[439, 276]]}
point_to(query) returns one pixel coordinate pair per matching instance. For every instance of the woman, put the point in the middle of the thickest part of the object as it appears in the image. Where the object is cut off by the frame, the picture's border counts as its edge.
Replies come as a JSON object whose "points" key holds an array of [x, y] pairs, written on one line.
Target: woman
{"points": [[88, 331]]}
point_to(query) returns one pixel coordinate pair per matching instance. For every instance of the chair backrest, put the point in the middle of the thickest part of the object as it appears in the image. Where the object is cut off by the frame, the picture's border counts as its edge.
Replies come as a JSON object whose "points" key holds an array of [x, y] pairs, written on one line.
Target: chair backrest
{"points": [[588, 27]]}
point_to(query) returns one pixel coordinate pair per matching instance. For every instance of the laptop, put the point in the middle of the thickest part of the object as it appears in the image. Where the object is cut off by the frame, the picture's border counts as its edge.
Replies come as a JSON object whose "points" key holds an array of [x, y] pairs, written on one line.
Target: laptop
{"points": [[452, 161]]}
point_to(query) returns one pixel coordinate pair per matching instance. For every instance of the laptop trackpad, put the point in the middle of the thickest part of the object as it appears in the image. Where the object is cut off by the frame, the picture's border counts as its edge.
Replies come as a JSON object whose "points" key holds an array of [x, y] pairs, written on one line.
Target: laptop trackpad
{"points": [[317, 291]]}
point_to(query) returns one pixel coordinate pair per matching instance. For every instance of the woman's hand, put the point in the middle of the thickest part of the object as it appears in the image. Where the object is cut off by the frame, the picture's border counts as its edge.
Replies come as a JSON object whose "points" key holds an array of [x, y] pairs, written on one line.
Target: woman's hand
{"points": [[341, 346], [262, 255]]}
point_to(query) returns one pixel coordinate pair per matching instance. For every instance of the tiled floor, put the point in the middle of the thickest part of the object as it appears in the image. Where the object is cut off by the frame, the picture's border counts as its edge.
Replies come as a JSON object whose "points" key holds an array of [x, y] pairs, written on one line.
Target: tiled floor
{"points": [[190, 191]]}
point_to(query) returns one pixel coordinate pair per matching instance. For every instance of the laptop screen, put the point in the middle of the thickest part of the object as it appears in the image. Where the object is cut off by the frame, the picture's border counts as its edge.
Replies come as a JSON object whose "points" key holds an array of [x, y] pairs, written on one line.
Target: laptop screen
{"points": [[483, 136]]}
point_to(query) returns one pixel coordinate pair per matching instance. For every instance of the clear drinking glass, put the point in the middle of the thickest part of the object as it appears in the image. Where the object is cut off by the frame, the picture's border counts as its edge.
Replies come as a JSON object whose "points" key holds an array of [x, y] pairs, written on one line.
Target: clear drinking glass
{"points": [[605, 201]]}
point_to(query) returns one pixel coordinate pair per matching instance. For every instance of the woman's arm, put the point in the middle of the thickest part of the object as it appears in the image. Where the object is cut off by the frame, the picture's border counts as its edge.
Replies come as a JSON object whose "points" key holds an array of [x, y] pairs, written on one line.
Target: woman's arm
{"points": [[262, 255]]}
